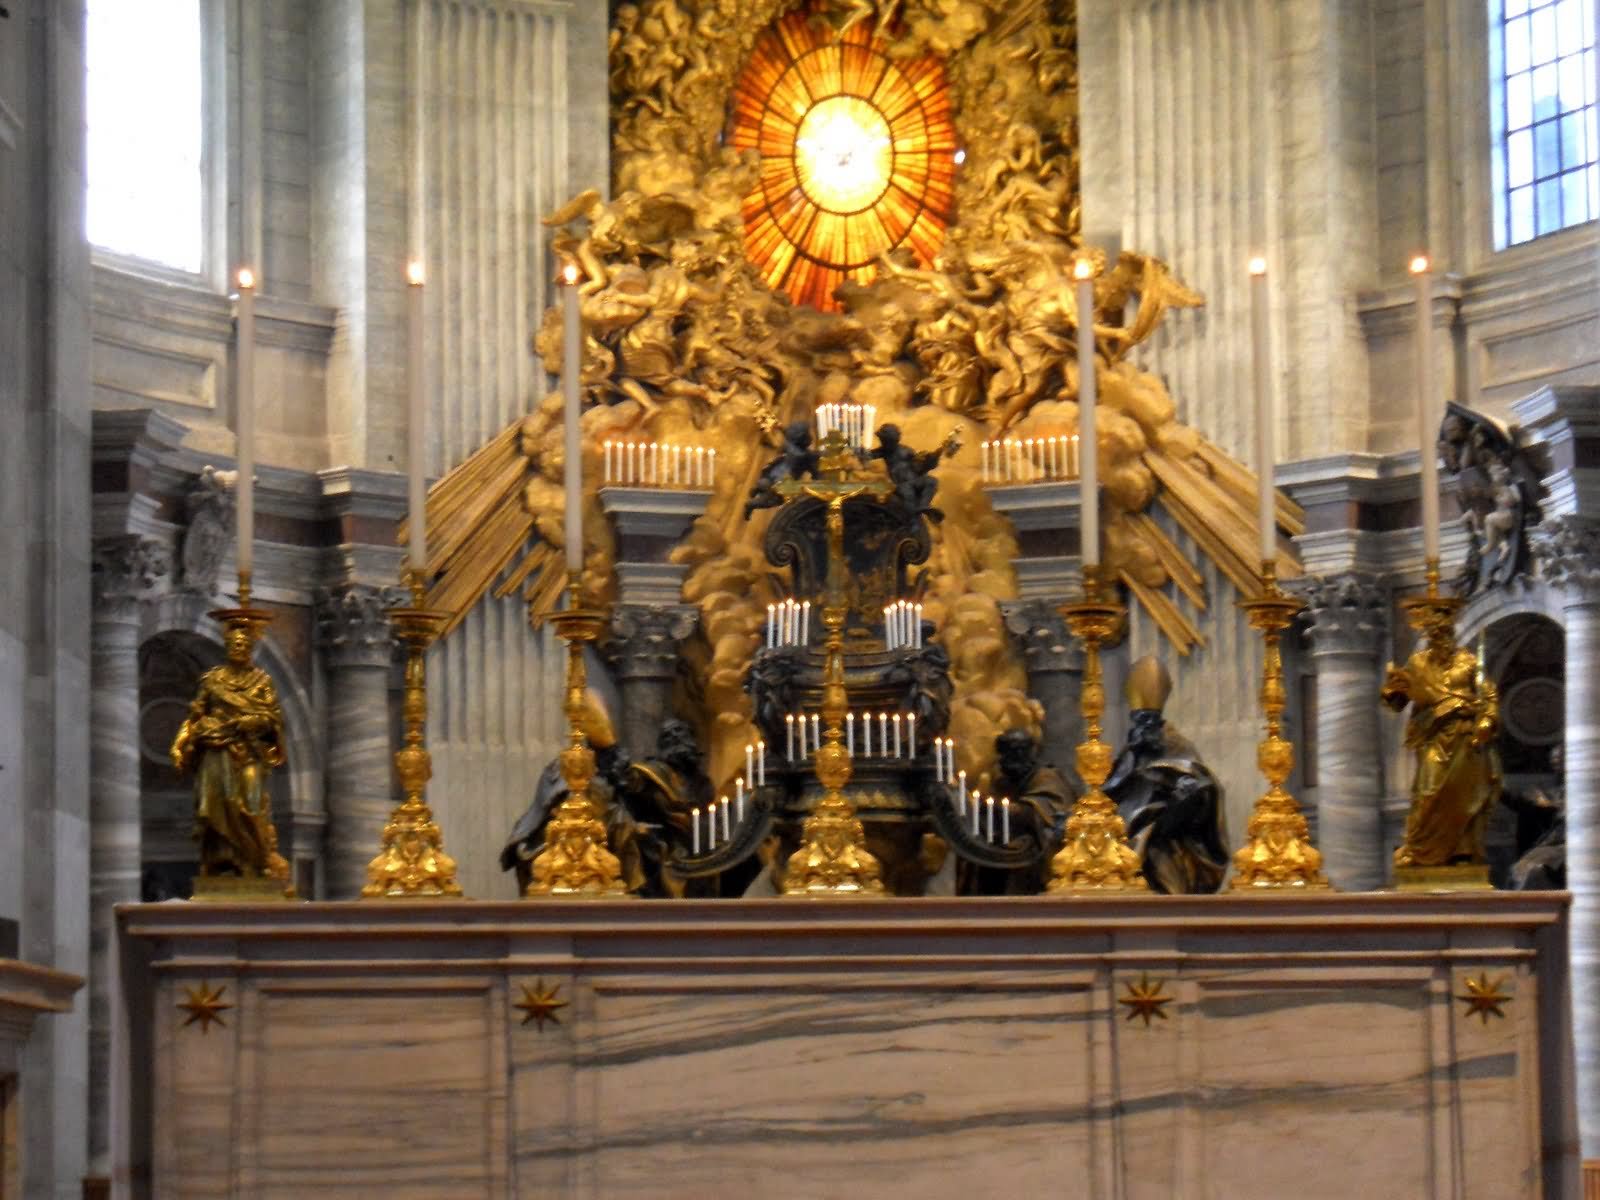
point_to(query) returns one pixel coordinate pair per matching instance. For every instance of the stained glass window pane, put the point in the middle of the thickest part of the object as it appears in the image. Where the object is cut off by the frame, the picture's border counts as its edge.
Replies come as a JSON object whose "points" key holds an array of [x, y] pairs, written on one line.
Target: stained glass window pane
{"points": [[1543, 93], [144, 115]]}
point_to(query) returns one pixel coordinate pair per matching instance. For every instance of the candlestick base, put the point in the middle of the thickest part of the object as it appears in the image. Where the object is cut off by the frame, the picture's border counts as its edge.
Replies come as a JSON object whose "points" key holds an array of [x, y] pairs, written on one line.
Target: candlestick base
{"points": [[576, 862], [412, 864], [833, 859], [1095, 854], [1278, 853]]}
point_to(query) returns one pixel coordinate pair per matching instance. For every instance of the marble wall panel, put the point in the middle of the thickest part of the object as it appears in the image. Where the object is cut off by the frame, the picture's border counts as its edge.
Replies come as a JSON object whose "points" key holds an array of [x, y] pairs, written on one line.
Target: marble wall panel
{"points": [[838, 1091]]}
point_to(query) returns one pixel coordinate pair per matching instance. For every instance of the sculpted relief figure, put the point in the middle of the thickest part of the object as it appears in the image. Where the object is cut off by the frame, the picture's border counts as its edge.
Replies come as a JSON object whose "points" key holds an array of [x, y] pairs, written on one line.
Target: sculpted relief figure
{"points": [[1455, 715], [232, 739], [1171, 801]]}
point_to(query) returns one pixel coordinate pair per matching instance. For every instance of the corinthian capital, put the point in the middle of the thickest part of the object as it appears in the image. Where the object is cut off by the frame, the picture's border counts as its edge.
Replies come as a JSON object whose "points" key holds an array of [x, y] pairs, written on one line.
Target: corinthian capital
{"points": [[643, 641], [353, 625], [124, 571], [1042, 636], [1347, 613], [1567, 549]]}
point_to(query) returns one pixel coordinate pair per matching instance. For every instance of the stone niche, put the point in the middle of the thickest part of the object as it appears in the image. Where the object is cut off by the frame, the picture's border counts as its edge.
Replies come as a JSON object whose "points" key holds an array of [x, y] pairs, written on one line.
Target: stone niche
{"points": [[1218, 1046]]}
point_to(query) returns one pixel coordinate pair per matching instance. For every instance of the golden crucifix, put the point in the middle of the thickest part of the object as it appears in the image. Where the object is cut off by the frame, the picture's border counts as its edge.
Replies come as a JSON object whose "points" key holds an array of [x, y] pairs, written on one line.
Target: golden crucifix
{"points": [[833, 859]]}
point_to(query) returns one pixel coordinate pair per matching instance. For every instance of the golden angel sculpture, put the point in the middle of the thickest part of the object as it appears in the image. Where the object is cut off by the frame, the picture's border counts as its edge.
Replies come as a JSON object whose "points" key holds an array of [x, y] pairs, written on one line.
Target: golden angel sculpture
{"points": [[824, 200], [1455, 715], [232, 740]]}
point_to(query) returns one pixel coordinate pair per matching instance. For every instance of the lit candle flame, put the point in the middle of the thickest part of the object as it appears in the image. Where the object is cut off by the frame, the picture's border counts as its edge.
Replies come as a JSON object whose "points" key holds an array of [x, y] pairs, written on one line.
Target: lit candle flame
{"points": [[247, 277], [1258, 265], [1420, 265], [414, 273], [570, 274]]}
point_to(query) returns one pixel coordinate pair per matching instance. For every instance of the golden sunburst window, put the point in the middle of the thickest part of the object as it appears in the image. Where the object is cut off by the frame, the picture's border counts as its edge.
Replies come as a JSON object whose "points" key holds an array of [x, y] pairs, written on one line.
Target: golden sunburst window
{"points": [[858, 155]]}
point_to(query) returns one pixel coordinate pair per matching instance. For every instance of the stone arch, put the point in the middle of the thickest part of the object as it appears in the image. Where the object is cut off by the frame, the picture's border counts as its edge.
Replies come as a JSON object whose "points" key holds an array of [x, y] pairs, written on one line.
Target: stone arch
{"points": [[187, 615]]}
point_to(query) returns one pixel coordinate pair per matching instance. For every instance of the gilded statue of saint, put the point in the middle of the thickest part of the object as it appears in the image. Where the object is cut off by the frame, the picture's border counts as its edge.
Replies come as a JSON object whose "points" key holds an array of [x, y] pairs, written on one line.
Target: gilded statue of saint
{"points": [[1455, 714], [232, 739]]}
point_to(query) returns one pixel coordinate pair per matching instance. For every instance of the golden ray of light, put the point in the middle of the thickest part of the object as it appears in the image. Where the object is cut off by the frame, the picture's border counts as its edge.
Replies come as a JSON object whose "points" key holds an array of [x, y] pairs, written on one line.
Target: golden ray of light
{"points": [[857, 156]]}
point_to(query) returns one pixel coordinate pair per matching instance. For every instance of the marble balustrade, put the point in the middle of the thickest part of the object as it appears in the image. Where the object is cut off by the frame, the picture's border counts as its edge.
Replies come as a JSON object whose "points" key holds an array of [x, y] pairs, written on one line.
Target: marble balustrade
{"points": [[1307, 1046]]}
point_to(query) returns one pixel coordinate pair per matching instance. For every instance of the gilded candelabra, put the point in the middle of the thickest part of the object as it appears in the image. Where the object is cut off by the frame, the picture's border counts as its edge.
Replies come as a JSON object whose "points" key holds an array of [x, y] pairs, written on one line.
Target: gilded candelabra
{"points": [[576, 862], [833, 859], [412, 863], [1095, 854], [1279, 853]]}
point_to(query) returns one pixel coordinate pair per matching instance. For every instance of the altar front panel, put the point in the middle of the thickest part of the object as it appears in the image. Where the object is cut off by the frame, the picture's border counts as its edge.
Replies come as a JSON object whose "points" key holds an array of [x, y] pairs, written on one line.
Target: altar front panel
{"points": [[1306, 1046]]}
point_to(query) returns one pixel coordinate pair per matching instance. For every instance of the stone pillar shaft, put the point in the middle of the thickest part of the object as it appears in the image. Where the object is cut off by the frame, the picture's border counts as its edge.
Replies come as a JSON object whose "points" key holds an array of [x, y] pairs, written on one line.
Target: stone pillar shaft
{"points": [[124, 570], [1347, 614], [643, 649], [353, 632], [1055, 675]]}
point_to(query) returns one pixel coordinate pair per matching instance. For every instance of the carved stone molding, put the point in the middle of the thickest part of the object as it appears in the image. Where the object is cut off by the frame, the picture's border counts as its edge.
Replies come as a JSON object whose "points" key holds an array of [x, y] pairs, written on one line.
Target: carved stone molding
{"points": [[1346, 613], [353, 625], [125, 571], [1567, 549], [1043, 637], [643, 643]]}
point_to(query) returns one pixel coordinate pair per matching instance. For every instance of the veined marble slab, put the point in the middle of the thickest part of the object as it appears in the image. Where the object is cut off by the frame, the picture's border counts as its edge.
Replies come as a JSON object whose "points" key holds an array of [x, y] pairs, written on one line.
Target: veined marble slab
{"points": [[1305, 1047]]}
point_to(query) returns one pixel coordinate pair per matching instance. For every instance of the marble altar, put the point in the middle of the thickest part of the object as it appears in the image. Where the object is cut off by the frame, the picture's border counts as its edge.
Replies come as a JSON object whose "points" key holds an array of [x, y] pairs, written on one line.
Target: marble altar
{"points": [[1313, 1046]]}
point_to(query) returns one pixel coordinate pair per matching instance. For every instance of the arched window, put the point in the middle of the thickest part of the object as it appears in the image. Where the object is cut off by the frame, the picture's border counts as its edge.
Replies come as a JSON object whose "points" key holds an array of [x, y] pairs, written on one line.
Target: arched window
{"points": [[1542, 81], [146, 129]]}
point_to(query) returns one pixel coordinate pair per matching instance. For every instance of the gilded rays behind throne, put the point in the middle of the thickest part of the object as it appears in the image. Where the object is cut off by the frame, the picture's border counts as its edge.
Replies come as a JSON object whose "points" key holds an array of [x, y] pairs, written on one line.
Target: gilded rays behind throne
{"points": [[858, 154]]}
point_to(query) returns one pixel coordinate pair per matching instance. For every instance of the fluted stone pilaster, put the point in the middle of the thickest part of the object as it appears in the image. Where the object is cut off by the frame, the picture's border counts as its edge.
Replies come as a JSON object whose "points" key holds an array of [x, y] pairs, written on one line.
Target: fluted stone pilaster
{"points": [[354, 637], [643, 649], [125, 570], [1347, 617], [1055, 673], [1568, 552]]}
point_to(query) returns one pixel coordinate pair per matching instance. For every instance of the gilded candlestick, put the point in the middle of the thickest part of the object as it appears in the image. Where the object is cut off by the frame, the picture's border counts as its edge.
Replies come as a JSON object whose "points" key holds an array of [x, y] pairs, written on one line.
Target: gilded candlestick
{"points": [[576, 862], [1095, 854], [412, 863], [1279, 853]]}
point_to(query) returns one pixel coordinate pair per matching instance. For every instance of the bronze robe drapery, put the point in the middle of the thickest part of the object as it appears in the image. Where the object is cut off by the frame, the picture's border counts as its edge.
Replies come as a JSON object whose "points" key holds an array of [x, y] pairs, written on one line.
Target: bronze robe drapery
{"points": [[234, 736], [1454, 718]]}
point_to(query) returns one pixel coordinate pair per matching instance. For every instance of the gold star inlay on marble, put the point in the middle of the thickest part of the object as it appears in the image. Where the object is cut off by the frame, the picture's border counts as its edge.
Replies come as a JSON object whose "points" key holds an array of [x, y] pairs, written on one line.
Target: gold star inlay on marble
{"points": [[1146, 999], [539, 1003], [1484, 998], [204, 1004]]}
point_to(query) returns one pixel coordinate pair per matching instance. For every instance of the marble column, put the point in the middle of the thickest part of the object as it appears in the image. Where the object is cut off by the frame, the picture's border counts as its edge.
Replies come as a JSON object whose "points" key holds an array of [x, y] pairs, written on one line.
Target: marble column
{"points": [[1055, 674], [1568, 549], [357, 648], [124, 571], [643, 650], [1347, 616]]}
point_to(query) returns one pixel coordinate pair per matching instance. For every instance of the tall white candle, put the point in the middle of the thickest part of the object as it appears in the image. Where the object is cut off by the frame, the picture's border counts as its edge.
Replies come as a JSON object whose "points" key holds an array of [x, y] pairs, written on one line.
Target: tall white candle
{"points": [[571, 372], [897, 753], [911, 735], [1005, 821], [788, 722], [961, 778], [949, 758], [989, 829], [805, 623], [694, 828], [866, 735], [726, 833], [1089, 470], [883, 734], [245, 423], [938, 760], [1266, 414], [1427, 420], [749, 761], [816, 732], [417, 417], [761, 763], [850, 733]]}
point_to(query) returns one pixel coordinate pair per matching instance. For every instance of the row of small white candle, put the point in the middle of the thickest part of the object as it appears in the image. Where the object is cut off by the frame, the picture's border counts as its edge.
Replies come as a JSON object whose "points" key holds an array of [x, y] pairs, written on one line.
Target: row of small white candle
{"points": [[1030, 460], [944, 760], [712, 812], [660, 464], [981, 805], [902, 626], [789, 623], [855, 421], [889, 726]]}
